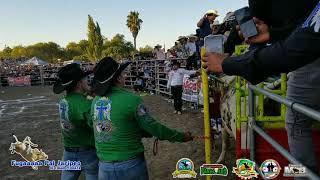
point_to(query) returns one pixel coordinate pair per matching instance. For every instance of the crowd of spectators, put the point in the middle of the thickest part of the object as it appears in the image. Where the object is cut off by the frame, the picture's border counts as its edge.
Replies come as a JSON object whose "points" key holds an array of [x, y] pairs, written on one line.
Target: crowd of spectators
{"points": [[186, 50], [39, 74]]}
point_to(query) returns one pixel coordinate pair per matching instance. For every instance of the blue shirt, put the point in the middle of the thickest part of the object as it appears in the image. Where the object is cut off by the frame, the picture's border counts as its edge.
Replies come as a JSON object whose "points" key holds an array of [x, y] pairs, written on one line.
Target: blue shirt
{"points": [[205, 29]]}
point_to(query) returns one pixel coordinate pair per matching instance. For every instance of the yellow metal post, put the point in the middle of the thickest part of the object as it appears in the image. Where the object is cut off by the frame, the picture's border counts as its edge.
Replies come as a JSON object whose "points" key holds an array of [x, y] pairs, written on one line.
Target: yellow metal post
{"points": [[284, 93], [205, 91]]}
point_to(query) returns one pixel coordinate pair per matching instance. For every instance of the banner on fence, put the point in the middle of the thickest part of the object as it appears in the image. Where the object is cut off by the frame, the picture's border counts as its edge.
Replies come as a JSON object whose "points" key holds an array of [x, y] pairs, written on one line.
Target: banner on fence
{"points": [[19, 81], [191, 89]]}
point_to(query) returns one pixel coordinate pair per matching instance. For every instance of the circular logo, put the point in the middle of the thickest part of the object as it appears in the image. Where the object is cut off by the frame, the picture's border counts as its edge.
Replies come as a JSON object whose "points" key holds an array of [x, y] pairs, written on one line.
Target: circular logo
{"points": [[65, 125], [185, 164], [184, 169], [270, 169], [104, 126]]}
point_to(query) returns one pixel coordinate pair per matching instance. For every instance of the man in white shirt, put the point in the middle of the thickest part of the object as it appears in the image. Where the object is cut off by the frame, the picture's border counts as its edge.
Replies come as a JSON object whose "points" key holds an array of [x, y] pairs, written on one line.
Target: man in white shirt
{"points": [[159, 53], [175, 82]]}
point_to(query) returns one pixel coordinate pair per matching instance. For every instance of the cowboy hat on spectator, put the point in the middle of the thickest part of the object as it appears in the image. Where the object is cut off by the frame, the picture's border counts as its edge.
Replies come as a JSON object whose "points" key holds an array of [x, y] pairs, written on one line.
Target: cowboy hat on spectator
{"points": [[182, 37], [214, 24], [215, 12], [192, 36]]}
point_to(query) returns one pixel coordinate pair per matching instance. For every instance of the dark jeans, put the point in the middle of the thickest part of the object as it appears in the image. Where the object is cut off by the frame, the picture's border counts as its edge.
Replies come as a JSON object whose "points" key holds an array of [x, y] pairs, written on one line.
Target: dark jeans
{"points": [[133, 169], [89, 165], [177, 97], [303, 88]]}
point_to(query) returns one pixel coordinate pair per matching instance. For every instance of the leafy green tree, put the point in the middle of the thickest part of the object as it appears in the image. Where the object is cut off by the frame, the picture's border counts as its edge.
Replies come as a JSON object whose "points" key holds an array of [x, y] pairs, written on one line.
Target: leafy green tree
{"points": [[99, 42], [83, 44], [19, 51], [146, 49], [134, 25], [95, 40], [118, 47], [6, 52], [91, 39], [73, 49], [49, 51]]}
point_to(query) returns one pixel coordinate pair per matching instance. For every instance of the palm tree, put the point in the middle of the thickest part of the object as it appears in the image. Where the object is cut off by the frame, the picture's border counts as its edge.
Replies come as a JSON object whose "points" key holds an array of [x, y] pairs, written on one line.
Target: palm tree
{"points": [[134, 25]]}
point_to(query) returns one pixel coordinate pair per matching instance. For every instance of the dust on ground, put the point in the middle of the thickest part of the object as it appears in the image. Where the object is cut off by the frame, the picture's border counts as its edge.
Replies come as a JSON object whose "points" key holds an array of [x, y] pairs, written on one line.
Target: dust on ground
{"points": [[32, 111]]}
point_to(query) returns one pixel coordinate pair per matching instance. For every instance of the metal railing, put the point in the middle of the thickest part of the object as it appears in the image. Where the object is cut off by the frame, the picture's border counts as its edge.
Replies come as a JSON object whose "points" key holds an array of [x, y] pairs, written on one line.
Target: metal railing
{"points": [[254, 128], [157, 82]]}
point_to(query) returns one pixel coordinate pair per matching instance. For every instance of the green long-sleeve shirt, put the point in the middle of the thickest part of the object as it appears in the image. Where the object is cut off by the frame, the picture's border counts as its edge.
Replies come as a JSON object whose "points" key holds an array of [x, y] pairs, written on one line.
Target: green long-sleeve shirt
{"points": [[74, 110], [120, 120]]}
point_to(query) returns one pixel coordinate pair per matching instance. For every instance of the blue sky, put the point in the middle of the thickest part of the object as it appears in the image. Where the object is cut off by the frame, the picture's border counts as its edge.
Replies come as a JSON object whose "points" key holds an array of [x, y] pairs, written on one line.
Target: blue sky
{"points": [[24, 22]]}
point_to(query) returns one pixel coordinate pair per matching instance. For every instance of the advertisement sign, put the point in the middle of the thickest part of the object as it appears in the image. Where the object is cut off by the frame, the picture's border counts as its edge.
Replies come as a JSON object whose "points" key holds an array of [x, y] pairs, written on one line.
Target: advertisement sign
{"points": [[19, 81], [191, 89]]}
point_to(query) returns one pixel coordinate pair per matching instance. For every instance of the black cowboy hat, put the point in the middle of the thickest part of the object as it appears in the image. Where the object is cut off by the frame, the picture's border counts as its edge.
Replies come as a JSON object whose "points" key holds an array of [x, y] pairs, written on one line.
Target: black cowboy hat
{"points": [[104, 73], [68, 76]]}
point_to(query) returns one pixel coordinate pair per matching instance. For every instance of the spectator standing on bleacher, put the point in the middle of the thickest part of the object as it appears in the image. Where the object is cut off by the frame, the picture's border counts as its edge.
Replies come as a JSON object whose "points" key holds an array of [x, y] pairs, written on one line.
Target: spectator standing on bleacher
{"points": [[158, 52], [191, 47], [205, 24], [175, 82], [181, 47]]}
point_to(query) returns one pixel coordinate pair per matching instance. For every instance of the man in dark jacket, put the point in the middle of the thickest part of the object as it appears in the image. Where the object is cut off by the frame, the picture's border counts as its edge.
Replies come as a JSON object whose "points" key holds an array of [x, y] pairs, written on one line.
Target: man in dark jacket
{"points": [[300, 49]]}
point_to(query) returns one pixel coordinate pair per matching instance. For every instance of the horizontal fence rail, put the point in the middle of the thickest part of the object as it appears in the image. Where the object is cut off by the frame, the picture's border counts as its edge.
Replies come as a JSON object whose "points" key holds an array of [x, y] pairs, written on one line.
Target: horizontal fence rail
{"points": [[295, 106]]}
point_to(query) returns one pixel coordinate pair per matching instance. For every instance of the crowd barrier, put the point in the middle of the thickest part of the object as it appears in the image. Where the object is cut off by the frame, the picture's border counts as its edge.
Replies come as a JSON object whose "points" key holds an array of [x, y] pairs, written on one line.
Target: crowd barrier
{"points": [[155, 75], [255, 129], [156, 81]]}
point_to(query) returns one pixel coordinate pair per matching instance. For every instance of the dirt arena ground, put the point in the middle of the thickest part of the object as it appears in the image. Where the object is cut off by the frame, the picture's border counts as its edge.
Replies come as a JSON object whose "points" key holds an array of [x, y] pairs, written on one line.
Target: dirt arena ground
{"points": [[32, 111]]}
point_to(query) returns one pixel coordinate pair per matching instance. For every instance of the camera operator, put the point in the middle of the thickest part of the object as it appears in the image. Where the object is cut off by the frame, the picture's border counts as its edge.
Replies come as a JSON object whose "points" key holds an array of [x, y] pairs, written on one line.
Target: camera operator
{"points": [[300, 49], [282, 18]]}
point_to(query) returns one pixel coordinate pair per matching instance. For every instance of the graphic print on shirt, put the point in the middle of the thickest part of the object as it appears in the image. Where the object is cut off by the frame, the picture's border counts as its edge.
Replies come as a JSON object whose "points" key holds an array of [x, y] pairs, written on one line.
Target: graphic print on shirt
{"points": [[313, 19], [101, 119], [64, 115]]}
